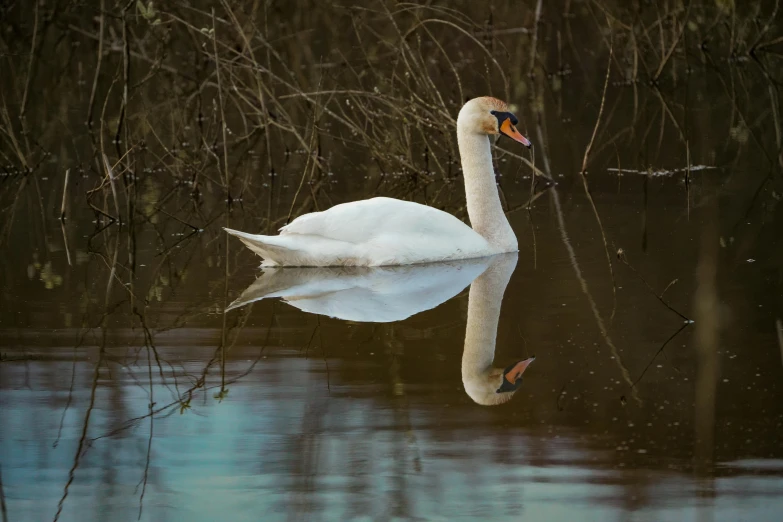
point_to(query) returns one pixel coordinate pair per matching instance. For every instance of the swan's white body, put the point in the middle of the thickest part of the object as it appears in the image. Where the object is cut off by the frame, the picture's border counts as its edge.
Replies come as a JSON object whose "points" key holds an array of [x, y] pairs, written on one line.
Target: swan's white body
{"points": [[373, 232], [384, 231]]}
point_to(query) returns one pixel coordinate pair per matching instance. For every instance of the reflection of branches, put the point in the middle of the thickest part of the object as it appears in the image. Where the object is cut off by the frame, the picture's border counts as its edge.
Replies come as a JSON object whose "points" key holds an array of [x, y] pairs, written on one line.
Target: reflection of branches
{"points": [[70, 388], [150, 345], [8, 130], [184, 399], [583, 175], [110, 174], [674, 44], [3, 508], [152, 426], [600, 113], [103, 323], [221, 106], [660, 350], [85, 425], [312, 336], [621, 257], [200, 383], [223, 328], [326, 358], [98, 66], [9, 220], [586, 290]]}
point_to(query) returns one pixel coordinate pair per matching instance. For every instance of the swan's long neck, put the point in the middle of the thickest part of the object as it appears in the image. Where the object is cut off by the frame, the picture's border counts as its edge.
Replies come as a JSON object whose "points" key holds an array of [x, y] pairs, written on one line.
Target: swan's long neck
{"points": [[484, 302], [484, 208]]}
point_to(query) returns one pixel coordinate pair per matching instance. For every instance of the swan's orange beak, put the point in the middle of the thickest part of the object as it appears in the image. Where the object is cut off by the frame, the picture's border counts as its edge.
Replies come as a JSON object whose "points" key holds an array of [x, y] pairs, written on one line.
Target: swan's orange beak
{"points": [[509, 130], [514, 372], [512, 376]]}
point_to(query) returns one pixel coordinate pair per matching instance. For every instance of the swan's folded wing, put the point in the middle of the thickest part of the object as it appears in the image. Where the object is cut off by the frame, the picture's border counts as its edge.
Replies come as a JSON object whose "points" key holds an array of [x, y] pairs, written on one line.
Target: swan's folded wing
{"points": [[362, 221], [301, 249], [391, 232]]}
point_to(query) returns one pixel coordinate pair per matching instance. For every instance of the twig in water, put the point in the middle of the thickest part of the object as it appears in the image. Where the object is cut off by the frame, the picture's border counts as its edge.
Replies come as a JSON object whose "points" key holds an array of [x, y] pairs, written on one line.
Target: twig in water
{"points": [[85, 424], [676, 41], [151, 405], [526, 205], [532, 175], [82, 336], [675, 334], [8, 130], [262, 99], [311, 155], [65, 241], [224, 324], [586, 290], [764, 30], [587, 189], [688, 178], [312, 336], [669, 286], [529, 204], [621, 257], [600, 113], [110, 174], [107, 167], [30, 65], [534, 47], [125, 81], [185, 397], [222, 110], [65, 194], [101, 212], [97, 67], [175, 218], [325, 357]]}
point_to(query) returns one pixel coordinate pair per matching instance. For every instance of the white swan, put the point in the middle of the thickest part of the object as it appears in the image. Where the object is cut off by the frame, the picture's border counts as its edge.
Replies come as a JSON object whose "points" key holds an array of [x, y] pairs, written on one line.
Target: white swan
{"points": [[385, 231], [384, 294]]}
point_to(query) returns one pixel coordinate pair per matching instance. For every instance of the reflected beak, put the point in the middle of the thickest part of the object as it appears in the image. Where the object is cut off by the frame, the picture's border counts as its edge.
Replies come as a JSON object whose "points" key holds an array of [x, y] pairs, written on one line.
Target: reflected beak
{"points": [[509, 130], [514, 372]]}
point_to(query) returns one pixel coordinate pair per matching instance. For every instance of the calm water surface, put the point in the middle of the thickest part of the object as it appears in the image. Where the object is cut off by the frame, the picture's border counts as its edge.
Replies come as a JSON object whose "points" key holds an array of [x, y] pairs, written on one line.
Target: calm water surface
{"points": [[143, 377]]}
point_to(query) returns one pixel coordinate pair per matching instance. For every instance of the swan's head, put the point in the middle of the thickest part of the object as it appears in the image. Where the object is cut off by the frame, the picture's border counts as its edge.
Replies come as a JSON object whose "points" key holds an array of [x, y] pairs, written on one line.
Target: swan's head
{"points": [[487, 115], [496, 386]]}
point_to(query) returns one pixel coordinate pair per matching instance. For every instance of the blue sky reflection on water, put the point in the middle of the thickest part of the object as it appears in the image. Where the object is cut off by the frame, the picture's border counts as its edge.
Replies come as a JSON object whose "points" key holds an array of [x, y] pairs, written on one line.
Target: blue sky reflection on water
{"points": [[279, 448]]}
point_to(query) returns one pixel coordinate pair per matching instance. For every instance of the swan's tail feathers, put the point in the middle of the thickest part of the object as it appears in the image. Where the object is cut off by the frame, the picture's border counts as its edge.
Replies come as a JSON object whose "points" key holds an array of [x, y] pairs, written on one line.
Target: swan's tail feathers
{"points": [[297, 249], [291, 283], [261, 288], [261, 245]]}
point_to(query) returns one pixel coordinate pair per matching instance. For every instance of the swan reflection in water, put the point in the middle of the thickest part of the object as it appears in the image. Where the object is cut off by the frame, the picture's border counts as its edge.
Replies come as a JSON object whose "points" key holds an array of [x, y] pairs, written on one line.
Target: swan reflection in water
{"points": [[386, 294]]}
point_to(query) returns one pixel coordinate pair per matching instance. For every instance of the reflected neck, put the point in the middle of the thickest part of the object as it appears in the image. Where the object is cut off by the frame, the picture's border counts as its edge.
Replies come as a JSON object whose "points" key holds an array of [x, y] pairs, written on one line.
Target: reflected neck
{"points": [[484, 303], [484, 208]]}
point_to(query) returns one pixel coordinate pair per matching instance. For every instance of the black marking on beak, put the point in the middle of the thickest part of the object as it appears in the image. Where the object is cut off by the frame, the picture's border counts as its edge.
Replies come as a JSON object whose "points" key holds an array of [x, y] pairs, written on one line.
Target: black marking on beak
{"points": [[503, 116], [508, 386]]}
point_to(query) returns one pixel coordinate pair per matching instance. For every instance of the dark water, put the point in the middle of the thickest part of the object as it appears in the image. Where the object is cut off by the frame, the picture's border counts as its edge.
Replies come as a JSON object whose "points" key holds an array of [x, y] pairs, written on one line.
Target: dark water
{"points": [[651, 298]]}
